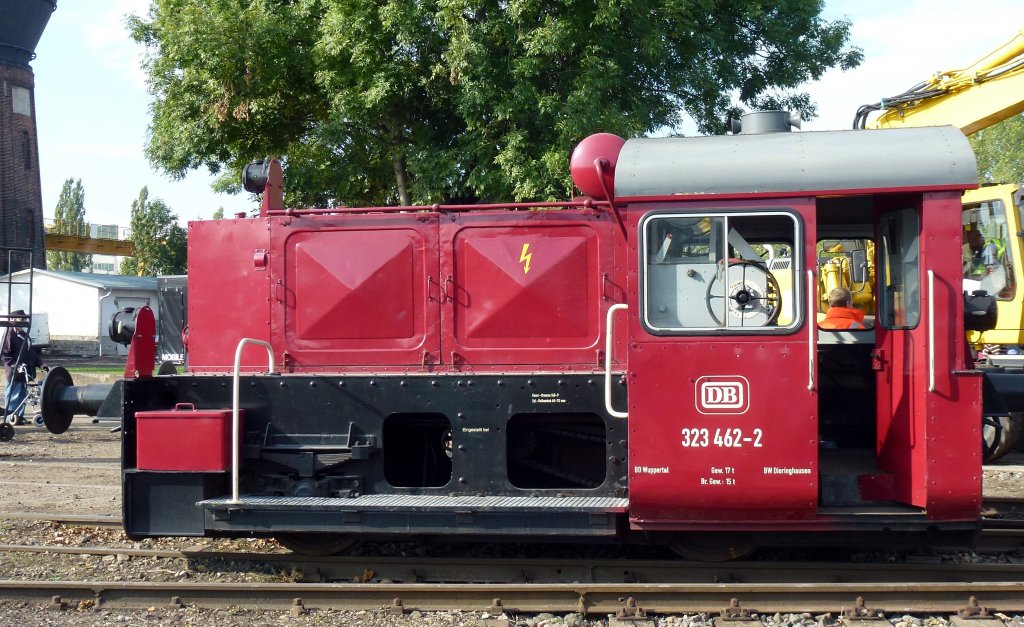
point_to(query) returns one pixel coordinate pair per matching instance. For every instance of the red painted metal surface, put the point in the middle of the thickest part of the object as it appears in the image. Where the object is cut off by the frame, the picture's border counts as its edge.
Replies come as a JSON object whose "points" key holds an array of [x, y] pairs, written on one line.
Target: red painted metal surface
{"points": [[142, 351], [693, 467], [371, 292], [164, 437], [357, 291], [921, 433], [901, 448], [582, 203], [753, 461], [901, 376], [493, 290], [229, 294], [525, 288], [951, 418], [721, 429], [273, 193], [593, 181]]}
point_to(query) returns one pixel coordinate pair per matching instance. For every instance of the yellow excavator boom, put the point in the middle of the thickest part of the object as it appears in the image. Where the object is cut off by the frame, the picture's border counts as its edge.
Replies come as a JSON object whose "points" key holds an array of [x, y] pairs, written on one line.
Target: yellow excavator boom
{"points": [[972, 99], [976, 97]]}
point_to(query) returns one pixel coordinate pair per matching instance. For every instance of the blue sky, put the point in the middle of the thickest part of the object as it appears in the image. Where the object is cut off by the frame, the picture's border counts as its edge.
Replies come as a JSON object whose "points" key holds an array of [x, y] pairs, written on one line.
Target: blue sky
{"points": [[93, 109]]}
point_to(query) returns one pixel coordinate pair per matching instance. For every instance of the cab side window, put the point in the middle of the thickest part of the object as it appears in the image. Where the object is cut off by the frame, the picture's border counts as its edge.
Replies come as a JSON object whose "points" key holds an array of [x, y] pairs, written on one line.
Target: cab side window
{"points": [[731, 272]]}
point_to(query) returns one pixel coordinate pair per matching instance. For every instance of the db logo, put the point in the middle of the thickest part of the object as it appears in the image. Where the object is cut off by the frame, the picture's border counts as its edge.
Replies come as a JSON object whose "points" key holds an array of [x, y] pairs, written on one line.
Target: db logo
{"points": [[722, 394]]}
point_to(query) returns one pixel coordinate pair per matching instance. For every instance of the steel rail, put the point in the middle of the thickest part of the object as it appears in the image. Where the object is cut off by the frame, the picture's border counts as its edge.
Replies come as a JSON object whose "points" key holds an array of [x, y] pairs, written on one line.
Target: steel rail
{"points": [[997, 533], [531, 598], [85, 520], [77, 462], [522, 570]]}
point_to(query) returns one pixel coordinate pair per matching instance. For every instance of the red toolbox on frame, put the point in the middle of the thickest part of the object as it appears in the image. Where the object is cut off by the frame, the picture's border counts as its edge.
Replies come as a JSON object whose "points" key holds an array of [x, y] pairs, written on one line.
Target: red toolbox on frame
{"points": [[184, 439]]}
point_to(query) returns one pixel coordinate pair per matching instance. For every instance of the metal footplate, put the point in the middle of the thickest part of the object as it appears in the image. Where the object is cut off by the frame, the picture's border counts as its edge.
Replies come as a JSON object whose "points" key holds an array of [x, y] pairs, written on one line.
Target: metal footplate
{"points": [[426, 514]]}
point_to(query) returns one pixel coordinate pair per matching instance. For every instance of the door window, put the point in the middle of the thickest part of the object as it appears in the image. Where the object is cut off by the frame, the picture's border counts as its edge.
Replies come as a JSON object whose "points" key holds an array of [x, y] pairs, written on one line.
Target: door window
{"points": [[900, 260], [731, 272]]}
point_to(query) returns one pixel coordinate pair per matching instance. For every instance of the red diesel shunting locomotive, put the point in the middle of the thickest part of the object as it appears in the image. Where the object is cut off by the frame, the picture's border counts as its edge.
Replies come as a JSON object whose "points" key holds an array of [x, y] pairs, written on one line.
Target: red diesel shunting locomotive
{"points": [[462, 371]]}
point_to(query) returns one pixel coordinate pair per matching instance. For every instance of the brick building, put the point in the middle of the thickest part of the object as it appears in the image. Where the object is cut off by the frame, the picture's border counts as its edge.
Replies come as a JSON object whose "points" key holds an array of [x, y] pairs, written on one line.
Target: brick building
{"points": [[21, 204]]}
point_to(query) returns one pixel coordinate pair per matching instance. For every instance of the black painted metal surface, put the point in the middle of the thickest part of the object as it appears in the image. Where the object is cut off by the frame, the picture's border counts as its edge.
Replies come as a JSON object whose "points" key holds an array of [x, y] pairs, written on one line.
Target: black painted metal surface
{"points": [[21, 27]]}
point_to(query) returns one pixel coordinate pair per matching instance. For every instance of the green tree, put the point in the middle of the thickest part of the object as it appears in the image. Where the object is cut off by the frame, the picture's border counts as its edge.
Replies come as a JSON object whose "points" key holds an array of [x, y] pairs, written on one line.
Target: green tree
{"points": [[389, 101], [1000, 151], [219, 213], [69, 219], [160, 244]]}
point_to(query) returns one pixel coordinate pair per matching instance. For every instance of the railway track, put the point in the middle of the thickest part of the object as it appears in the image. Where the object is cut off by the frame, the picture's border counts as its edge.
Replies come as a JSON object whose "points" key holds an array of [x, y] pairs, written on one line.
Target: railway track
{"points": [[85, 520], [594, 598], [505, 570], [527, 586], [1002, 530]]}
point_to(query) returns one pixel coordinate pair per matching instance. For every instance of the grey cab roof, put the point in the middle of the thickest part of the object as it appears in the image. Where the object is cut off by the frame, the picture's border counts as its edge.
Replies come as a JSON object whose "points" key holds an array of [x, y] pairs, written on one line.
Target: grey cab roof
{"points": [[937, 157]]}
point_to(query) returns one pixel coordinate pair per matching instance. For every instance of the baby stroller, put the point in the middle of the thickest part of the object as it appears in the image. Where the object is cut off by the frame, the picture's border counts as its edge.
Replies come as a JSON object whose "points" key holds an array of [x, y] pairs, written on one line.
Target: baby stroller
{"points": [[29, 407]]}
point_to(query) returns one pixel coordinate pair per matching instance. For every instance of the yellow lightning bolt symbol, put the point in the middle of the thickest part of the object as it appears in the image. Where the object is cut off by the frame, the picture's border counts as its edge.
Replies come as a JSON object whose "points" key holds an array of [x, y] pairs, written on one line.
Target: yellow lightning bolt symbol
{"points": [[525, 256]]}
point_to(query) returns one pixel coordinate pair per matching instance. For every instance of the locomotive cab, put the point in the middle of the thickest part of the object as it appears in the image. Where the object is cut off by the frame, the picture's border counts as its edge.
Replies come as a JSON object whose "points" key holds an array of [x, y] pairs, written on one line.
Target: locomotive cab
{"points": [[745, 414]]}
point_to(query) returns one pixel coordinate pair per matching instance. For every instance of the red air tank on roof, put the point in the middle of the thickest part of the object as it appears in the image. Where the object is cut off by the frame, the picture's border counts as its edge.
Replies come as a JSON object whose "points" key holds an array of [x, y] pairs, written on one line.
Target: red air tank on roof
{"points": [[593, 165]]}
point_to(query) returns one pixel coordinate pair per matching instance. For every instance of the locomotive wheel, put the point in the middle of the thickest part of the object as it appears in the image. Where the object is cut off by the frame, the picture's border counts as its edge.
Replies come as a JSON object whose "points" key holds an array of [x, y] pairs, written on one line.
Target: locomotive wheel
{"points": [[6, 432], [712, 547], [1000, 434], [315, 544]]}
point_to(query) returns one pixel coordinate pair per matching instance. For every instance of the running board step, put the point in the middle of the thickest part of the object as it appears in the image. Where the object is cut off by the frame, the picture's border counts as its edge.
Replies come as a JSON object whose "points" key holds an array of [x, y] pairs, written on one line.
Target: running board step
{"points": [[426, 502], [427, 514]]}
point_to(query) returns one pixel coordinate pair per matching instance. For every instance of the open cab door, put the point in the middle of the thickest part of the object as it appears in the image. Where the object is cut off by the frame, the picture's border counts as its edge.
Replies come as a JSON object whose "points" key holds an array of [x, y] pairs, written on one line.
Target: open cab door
{"points": [[928, 407], [723, 401]]}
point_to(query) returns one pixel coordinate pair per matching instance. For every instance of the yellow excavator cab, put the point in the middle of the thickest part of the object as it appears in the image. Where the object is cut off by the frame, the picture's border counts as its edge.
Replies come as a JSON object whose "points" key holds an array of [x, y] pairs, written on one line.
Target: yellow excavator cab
{"points": [[848, 264], [993, 212], [973, 98]]}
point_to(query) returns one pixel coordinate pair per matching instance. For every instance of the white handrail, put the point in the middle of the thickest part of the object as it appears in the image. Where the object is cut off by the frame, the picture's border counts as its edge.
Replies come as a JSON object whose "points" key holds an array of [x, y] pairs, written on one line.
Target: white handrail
{"points": [[931, 331], [812, 330], [608, 361], [235, 436]]}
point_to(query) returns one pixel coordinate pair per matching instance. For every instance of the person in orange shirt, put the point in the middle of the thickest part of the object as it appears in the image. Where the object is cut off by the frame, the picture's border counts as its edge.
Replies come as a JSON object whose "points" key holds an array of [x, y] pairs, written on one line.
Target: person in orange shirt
{"points": [[841, 313]]}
